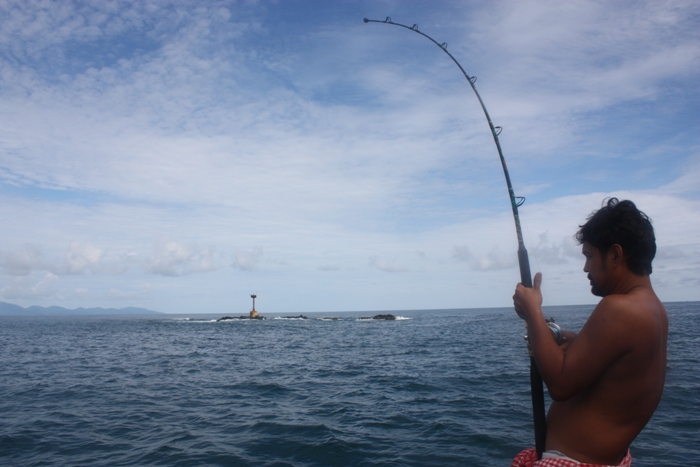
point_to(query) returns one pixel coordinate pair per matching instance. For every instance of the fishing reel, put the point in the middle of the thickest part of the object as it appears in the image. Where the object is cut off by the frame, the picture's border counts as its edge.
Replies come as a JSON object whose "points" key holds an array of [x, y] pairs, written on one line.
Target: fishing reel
{"points": [[556, 331]]}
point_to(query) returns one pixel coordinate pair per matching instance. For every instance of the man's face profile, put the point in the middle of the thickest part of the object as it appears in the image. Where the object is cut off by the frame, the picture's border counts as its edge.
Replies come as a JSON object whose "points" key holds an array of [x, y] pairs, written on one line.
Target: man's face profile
{"points": [[595, 267]]}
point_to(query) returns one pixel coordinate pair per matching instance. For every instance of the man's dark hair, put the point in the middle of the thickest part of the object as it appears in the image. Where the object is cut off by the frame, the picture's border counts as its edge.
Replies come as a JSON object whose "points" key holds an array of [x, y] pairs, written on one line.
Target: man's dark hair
{"points": [[620, 222]]}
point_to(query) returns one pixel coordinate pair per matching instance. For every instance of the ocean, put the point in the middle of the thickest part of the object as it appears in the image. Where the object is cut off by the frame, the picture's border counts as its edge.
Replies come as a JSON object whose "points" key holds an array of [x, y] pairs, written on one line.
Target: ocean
{"points": [[436, 388]]}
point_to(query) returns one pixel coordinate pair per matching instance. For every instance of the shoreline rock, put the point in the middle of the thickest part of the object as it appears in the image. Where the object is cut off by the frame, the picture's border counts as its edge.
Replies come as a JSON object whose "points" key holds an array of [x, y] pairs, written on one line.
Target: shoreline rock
{"points": [[385, 317], [236, 318]]}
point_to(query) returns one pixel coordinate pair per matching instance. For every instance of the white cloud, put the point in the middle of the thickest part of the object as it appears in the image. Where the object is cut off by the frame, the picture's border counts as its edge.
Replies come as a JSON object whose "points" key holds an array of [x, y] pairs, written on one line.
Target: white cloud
{"points": [[496, 259], [248, 260], [83, 257], [171, 258], [493, 260], [462, 253], [32, 287], [386, 265], [22, 261], [549, 252]]}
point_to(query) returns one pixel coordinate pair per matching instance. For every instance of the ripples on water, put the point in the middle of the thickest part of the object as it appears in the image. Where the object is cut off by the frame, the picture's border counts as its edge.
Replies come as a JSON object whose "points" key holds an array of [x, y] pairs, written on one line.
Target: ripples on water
{"points": [[441, 389]]}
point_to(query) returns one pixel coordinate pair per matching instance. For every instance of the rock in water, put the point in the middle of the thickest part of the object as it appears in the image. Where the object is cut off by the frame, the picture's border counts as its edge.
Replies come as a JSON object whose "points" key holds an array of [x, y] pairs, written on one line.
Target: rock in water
{"points": [[234, 318]]}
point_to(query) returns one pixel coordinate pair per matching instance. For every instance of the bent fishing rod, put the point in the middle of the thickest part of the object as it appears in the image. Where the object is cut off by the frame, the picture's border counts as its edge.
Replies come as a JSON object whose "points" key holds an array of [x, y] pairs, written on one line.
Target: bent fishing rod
{"points": [[536, 387]]}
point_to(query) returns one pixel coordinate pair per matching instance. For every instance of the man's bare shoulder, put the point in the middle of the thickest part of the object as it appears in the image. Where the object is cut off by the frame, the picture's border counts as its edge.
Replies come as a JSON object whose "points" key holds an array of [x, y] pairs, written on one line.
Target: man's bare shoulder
{"points": [[612, 316], [632, 320], [635, 307], [620, 324]]}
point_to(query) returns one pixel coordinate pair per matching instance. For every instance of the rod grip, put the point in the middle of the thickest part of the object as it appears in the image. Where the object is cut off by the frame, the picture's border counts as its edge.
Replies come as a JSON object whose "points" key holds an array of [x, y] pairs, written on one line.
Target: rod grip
{"points": [[538, 414], [524, 262]]}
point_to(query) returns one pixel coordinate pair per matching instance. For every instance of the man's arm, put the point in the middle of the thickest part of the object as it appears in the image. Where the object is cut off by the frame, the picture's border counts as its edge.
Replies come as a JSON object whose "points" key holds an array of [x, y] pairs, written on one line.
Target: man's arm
{"points": [[568, 338], [569, 369]]}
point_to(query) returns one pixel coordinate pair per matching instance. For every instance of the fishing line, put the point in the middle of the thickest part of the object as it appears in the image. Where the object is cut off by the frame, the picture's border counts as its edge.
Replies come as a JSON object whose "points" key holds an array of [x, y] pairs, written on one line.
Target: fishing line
{"points": [[536, 386]]}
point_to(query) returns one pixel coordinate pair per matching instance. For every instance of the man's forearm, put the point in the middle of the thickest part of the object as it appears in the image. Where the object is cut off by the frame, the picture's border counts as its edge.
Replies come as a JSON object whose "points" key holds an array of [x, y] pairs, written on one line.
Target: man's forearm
{"points": [[569, 337], [548, 355]]}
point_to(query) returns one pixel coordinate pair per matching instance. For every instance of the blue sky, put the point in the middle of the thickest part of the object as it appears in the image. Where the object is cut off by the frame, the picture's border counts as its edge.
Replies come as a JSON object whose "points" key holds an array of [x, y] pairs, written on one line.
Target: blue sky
{"points": [[182, 155]]}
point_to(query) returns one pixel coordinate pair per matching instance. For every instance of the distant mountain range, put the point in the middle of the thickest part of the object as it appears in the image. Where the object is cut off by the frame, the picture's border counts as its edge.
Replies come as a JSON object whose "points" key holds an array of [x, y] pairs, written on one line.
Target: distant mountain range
{"points": [[8, 309]]}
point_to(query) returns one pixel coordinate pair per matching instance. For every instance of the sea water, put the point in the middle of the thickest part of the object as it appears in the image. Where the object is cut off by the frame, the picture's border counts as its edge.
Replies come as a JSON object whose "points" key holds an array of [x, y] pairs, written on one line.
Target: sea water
{"points": [[437, 388]]}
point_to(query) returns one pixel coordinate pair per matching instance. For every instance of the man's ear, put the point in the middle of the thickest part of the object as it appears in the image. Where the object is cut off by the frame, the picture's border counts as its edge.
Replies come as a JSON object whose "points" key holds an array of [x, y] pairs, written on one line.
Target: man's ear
{"points": [[616, 254]]}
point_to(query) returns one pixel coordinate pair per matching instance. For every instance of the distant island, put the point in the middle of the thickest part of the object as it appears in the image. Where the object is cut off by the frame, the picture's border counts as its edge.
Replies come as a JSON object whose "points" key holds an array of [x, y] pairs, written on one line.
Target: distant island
{"points": [[8, 309]]}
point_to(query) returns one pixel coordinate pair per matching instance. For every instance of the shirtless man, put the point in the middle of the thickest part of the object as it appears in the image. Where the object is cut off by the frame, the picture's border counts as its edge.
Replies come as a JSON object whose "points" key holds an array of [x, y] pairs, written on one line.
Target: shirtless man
{"points": [[607, 380]]}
